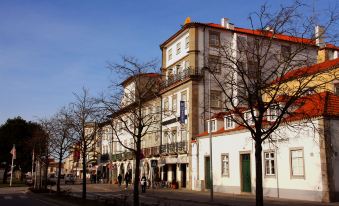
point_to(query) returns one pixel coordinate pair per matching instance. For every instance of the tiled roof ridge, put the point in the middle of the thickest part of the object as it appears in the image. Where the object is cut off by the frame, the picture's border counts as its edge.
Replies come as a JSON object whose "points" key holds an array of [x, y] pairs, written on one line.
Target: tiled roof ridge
{"points": [[309, 70]]}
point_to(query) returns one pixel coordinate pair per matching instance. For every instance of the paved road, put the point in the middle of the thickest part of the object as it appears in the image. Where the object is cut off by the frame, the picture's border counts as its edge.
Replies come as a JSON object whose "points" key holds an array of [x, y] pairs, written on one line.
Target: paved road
{"points": [[182, 197], [20, 196]]}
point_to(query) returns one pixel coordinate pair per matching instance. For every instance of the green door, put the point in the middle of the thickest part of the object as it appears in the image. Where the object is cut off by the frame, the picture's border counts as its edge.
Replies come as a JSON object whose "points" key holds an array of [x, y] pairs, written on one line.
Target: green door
{"points": [[245, 173], [207, 173]]}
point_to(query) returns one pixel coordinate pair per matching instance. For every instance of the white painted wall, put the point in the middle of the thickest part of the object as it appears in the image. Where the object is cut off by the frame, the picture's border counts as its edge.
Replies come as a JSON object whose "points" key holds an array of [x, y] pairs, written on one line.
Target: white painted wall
{"points": [[309, 187], [184, 51], [334, 124]]}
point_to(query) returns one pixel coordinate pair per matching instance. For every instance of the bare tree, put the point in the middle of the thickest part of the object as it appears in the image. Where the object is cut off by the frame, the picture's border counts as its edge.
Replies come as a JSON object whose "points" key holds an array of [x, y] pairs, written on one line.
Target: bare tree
{"points": [[61, 139], [255, 71], [134, 108], [85, 118]]}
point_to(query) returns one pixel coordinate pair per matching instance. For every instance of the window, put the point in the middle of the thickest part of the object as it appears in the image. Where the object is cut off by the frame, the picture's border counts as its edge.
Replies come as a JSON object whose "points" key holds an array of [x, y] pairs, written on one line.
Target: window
{"points": [[174, 103], [214, 38], [252, 70], [241, 43], [229, 123], [187, 42], [297, 162], [165, 138], [213, 125], [269, 158], [285, 52], [215, 99], [178, 47], [273, 113], [166, 106], [174, 134], [225, 165], [214, 64], [336, 88], [248, 117], [169, 54]]}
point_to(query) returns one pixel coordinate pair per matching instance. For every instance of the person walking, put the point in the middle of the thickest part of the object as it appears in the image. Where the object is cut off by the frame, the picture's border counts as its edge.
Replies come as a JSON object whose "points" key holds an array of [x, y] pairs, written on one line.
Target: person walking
{"points": [[119, 180], [143, 184], [127, 179]]}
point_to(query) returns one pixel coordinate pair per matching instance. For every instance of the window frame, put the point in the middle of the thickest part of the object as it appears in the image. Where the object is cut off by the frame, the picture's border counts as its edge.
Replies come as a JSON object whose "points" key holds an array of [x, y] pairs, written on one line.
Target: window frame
{"points": [[187, 42], [270, 159], [178, 47], [213, 126], [272, 117], [170, 54], [251, 117], [174, 103], [230, 118], [227, 164], [217, 94], [213, 59], [217, 40], [294, 176]]}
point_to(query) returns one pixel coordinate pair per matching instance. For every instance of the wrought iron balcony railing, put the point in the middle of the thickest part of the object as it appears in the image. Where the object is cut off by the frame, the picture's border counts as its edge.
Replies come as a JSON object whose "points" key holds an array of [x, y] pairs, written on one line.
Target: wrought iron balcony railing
{"points": [[180, 76], [174, 148]]}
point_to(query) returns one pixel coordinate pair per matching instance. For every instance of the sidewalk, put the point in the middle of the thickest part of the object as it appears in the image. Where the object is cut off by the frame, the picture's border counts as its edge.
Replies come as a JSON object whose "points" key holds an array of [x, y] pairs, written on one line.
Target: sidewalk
{"points": [[168, 197]]}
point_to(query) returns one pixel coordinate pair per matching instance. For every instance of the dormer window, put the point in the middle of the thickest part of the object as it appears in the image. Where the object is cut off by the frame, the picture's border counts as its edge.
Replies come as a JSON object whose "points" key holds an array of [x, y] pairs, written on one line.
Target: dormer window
{"points": [[213, 123], [229, 123], [273, 113], [249, 118]]}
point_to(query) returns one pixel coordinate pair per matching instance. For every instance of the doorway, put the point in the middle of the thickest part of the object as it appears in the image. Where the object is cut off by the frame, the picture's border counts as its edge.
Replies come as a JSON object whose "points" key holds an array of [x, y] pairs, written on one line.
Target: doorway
{"points": [[207, 172], [183, 175], [245, 173]]}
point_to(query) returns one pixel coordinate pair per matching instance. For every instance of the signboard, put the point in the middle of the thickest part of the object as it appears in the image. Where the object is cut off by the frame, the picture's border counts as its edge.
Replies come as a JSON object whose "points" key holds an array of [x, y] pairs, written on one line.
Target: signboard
{"points": [[182, 112], [154, 163]]}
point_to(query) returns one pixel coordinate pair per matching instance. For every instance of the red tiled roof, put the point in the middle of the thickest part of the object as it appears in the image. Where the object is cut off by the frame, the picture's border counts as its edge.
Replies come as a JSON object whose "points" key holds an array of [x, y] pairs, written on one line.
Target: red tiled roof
{"points": [[305, 71], [316, 105], [152, 75], [263, 33]]}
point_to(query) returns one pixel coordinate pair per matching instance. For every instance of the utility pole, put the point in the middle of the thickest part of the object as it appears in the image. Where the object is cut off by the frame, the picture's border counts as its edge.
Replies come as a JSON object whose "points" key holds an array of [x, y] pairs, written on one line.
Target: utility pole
{"points": [[210, 135]]}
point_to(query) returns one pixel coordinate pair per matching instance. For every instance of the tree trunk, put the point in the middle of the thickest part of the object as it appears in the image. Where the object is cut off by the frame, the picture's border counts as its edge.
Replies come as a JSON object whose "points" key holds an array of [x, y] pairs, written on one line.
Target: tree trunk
{"points": [[46, 172], [4, 180], [137, 174], [59, 173], [258, 171], [84, 173]]}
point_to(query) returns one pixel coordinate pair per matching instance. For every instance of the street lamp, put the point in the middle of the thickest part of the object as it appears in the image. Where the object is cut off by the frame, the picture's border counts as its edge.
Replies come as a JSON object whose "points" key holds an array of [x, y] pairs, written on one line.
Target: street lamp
{"points": [[210, 130]]}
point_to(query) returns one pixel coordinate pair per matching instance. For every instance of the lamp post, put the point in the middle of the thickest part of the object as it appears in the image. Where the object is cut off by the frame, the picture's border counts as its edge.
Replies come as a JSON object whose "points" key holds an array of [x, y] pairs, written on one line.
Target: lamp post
{"points": [[210, 134]]}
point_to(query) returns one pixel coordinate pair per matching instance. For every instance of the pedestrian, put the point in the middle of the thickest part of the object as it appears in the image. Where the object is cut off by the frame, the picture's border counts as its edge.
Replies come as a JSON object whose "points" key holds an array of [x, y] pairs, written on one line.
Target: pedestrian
{"points": [[127, 179], [143, 184], [119, 180]]}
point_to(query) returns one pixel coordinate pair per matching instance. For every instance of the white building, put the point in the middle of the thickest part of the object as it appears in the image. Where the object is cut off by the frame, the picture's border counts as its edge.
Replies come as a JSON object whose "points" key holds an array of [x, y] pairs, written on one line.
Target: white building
{"points": [[299, 162]]}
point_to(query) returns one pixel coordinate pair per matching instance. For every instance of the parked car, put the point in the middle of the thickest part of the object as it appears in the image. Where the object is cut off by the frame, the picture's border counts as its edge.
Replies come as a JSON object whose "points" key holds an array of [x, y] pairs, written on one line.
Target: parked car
{"points": [[69, 179]]}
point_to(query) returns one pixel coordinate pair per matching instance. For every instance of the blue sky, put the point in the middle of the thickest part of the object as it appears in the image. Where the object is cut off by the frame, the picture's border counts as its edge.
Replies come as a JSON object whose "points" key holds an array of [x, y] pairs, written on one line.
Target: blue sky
{"points": [[50, 49]]}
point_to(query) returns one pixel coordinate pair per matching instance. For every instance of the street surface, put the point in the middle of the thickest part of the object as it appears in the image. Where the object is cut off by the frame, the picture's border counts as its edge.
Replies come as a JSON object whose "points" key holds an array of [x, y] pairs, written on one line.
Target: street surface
{"points": [[180, 196], [163, 197]]}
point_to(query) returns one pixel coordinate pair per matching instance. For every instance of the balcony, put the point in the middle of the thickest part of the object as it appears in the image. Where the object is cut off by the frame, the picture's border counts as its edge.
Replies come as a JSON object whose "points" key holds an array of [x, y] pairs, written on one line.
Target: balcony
{"points": [[187, 73], [174, 148], [150, 151]]}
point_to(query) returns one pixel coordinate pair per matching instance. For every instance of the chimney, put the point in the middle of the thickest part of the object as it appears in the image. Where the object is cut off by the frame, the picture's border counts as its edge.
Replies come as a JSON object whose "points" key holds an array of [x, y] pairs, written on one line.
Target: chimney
{"points": [[225, 23], [319, 36]]}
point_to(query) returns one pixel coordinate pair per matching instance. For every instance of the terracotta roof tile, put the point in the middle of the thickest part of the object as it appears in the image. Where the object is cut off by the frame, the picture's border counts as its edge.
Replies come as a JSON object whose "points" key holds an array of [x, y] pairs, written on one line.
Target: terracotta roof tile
{"points": [[316, 105], [305, 71]]}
